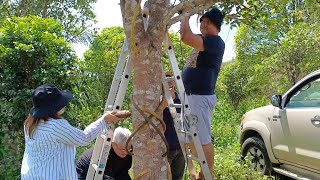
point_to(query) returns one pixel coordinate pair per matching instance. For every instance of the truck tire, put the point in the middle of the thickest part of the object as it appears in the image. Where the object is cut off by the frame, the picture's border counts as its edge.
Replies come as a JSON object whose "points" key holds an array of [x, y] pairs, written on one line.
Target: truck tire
{"points": [[254, 150]]}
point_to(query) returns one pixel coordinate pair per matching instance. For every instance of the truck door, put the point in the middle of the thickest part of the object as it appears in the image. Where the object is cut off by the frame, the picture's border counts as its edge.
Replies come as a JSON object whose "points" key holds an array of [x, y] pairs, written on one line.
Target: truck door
{"points": [[295, 129]]}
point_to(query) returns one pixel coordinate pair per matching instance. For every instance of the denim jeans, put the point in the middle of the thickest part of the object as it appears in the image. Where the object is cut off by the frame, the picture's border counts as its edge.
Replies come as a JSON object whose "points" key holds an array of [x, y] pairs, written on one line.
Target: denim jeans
{"points": [[177, 164]]}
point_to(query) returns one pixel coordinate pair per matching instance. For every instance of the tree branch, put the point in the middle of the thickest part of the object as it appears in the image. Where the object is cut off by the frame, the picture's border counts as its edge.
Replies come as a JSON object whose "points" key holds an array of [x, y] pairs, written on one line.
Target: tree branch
{"points": [[178, 18], [155, 22], [188, 4], [196, 6]]}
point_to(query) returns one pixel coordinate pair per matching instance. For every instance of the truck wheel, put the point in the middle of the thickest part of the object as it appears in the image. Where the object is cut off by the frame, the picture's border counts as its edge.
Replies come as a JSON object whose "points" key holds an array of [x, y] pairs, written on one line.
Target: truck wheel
{"points": [[254, 150]]}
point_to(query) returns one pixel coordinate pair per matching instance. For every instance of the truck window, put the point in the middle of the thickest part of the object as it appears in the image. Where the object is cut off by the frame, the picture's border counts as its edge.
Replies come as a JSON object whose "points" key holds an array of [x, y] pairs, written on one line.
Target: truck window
{"points": [[307, 96]]}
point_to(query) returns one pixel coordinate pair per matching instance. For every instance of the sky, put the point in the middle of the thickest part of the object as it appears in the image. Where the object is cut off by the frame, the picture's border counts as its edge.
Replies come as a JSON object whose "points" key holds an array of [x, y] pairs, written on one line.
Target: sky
{"points": [[108, 14]]}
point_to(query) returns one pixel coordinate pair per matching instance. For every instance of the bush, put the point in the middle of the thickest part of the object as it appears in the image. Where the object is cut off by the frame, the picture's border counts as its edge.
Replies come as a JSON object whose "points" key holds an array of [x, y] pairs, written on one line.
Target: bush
{"points": [[32, 52]]}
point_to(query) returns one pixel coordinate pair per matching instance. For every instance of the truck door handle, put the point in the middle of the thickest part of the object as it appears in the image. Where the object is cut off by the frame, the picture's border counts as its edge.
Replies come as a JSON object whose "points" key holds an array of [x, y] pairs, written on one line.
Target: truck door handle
{"points": [[316, 120]]}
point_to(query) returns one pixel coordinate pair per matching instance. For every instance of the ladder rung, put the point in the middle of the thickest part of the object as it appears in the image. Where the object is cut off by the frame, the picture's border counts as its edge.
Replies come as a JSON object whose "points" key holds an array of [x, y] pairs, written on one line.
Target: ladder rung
{"points": [[193, 158], [176, 105], [103, 136], [169, 78], [183, 131], [98, 169], [95, 166]]}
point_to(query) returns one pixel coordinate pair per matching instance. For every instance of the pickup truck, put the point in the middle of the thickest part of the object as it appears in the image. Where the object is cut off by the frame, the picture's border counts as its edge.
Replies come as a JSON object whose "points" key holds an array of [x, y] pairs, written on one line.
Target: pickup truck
{"points": [[284, 137]]}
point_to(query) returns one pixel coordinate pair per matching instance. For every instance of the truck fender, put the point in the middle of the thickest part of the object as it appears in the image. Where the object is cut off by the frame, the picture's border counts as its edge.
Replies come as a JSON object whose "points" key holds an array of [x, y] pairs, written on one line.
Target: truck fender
{"points": [[261, 129]]}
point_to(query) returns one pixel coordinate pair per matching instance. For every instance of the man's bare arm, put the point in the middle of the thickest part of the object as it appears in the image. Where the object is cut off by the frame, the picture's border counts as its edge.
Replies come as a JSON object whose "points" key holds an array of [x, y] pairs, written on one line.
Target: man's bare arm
{"points": [[188, 37]]}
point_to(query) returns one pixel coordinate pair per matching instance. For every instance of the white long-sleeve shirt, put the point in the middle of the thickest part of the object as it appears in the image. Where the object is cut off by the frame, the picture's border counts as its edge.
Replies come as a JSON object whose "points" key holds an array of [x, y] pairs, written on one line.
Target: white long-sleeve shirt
{"points": [[50, 154]]}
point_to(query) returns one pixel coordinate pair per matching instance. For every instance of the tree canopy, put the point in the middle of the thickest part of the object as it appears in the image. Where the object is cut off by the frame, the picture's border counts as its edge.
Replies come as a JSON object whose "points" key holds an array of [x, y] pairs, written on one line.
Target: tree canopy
{"points": [[277, 46], [76, 17]]}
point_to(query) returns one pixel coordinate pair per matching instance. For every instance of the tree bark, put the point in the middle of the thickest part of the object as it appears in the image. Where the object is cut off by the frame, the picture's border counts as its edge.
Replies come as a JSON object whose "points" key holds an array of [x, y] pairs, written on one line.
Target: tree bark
{"points": [[145, 53]]}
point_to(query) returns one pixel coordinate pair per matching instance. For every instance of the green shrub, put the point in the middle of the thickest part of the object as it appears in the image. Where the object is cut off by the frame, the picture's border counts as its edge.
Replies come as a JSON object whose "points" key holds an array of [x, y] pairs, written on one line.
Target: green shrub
{"points": [[32, 52]]}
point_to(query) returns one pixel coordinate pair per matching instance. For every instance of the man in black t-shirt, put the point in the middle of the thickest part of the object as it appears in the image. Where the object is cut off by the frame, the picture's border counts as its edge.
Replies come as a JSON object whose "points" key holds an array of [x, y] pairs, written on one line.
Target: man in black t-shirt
{"points": [[119, 162], [200, 74]]}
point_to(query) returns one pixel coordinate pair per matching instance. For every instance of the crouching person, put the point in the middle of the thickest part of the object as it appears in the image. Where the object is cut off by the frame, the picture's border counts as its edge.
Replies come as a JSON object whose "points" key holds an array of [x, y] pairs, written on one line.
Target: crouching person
{"points": [[119, 162]]}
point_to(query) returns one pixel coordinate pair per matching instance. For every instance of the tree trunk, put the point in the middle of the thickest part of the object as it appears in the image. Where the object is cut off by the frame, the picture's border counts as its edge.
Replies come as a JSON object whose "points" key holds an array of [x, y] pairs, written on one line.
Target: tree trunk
{"points": [[148, 145], [145, 53]]}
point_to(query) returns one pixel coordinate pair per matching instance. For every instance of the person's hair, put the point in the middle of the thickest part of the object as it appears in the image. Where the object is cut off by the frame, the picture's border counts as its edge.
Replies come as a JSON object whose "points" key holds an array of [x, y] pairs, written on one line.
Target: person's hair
{"points": [[31, 123], [121, 135]]}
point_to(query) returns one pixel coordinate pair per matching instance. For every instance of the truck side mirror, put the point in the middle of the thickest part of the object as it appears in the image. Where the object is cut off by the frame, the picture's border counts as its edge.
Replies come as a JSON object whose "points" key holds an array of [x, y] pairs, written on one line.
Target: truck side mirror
{"points": [[276, 101]]}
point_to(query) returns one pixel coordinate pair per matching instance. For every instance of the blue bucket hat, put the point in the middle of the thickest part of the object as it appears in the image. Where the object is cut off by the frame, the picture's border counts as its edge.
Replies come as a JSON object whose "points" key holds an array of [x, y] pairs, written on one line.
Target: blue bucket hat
{"points": [[215, 16], [48, 99]]}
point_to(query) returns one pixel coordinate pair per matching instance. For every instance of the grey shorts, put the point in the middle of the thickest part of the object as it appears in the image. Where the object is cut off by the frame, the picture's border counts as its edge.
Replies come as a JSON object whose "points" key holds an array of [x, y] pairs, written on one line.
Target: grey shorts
{"points": [[202, 107]]}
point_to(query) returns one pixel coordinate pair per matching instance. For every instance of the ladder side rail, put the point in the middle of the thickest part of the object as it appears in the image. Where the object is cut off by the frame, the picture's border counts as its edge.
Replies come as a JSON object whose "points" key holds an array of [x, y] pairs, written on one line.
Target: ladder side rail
{"points": [[177, 123], [177, 77], [105, 149], [123, 85], [201, 156], [187, 111], [117, 77], [103, 142], [100, 152], [94, 158]]}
